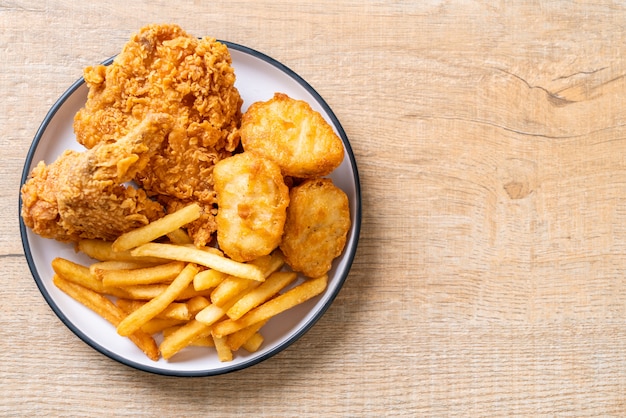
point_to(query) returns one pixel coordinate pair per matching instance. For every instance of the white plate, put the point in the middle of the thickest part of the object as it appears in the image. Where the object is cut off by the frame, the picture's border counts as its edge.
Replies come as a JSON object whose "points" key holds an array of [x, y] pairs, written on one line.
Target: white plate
{"points": [[258, 78]]}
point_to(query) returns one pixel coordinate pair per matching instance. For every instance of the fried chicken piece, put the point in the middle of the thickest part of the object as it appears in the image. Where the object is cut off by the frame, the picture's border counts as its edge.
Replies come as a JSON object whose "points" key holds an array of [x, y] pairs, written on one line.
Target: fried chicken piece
{"points": [[252, 199], [81, 194], [164, 69], [294, 135], [318, 221]]}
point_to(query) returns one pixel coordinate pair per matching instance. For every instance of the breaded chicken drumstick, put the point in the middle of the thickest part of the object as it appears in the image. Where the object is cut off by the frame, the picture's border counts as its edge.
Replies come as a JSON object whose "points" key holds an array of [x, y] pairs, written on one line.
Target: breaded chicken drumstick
{"points": [[82, 194]]}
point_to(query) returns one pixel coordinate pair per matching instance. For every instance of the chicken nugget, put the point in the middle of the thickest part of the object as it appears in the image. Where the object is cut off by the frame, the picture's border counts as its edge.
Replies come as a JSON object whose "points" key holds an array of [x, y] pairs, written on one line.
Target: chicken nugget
{"points": [[294, 135], [252, 201], [318, 221]]}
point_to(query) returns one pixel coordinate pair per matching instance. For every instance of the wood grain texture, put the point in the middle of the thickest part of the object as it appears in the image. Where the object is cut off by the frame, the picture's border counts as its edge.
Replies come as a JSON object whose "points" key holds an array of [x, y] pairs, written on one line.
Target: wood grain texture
{"points": [[489, 279]]}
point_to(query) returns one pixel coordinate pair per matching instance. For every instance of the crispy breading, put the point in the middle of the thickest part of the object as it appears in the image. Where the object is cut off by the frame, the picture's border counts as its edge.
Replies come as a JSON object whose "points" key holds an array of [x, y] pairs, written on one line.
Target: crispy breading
{"points": [[82, 195], [318, 221], [294, 135], [252, 199], [164, 69]]}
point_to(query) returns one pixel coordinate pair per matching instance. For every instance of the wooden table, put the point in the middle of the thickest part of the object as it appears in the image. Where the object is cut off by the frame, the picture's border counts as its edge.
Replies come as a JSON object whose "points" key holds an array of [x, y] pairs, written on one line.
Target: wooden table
{"points": [[489, 279]]}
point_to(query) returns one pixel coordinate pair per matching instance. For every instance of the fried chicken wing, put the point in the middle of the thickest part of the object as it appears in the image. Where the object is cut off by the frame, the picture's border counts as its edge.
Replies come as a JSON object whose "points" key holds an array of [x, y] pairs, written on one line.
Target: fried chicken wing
{"points": [[252, 199], [294, 135], [318, 221], [164, 69], [82, 195]]}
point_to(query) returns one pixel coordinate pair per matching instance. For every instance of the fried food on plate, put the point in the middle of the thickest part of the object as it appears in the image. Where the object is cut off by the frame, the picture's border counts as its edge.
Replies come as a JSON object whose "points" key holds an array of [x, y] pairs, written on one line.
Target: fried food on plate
{"points": [[318, 220], [164, 69], [82, 195], [167, 116], [252, 198], [294, 135]]}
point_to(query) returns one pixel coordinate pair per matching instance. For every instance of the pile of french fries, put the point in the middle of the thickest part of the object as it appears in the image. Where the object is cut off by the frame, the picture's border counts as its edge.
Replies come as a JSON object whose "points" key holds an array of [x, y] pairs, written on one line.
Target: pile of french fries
{"points": [[154, 285]]}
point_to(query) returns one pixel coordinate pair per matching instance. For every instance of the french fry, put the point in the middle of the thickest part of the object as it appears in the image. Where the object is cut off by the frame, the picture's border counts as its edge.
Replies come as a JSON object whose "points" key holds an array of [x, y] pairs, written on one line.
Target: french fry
{"points": [[136, 319], [215, 312], [269, 263], [208, 279], [208, 249], [196, 304], [175, 310], [304, 291], [170, 330], [81, 275], [117, 265], [211, 314], [155, 229], [102, 251], [156, 325], [179, 236], [231, 287], [182, 337], [106, 309], [204, 258], [77, 273], [253, 343], [228, 293], [162, 273], [203, 341], [144, 291], [150, 291], [272, 285], [97, 249], [93, 300], [238, 338], [190, 292], [223, 350]]}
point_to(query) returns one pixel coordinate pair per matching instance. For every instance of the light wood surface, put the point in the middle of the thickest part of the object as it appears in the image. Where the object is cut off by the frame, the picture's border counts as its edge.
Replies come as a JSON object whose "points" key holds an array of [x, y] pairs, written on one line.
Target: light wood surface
{"points": [[489, 279]]}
